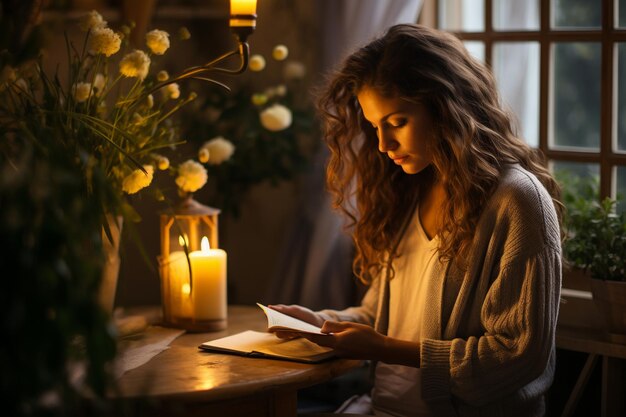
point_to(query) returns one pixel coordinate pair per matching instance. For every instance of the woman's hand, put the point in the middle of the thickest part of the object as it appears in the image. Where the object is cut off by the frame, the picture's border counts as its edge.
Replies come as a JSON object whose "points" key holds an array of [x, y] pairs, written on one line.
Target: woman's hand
{"points": [[298, 312], [350, 340], [359, 341]]}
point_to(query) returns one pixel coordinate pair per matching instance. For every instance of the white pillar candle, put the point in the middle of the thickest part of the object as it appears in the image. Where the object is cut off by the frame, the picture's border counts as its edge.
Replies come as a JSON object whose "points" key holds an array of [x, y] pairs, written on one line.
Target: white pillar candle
{"points": [[208, 286]]}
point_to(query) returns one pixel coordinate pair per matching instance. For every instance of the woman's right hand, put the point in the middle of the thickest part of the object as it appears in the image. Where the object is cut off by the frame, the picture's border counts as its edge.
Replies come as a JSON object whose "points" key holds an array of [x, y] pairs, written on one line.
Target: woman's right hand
{"points": [[298, 312]]}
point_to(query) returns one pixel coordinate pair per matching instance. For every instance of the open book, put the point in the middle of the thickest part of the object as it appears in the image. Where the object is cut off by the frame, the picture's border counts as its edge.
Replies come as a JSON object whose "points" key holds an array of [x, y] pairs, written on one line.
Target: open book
{"points": [[266, 345], [279, 321]]}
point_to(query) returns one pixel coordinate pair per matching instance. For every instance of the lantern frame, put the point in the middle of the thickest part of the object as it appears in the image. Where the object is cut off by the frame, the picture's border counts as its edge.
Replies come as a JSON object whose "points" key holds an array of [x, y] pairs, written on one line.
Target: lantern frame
{"points": [[190, 216]]}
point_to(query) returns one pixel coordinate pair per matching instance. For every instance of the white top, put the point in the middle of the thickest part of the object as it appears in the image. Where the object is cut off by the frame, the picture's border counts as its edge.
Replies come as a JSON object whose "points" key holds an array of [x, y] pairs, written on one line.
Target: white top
{"points": [[397, 388]]}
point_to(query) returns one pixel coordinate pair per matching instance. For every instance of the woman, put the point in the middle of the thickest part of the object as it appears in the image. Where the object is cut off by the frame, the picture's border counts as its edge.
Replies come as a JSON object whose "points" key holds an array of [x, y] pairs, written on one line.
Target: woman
{"points": [[455, 229]]}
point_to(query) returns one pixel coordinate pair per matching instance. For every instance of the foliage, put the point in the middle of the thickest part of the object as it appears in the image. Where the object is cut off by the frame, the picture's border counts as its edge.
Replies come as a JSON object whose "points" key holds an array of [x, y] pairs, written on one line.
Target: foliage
{"points": [[106, 117], [271, 128], [51, 260], [69, 150], [596, 235]]}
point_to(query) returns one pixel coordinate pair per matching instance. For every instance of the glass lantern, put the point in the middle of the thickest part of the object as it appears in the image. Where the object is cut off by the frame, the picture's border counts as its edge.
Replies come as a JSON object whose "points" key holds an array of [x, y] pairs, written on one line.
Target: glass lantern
{"points": [[192, 268]]}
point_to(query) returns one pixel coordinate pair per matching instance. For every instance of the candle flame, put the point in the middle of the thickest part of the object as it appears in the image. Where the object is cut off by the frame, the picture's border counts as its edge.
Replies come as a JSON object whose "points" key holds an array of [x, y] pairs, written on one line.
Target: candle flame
{"points": [[186, 289], [204, 244], [182, 240]]}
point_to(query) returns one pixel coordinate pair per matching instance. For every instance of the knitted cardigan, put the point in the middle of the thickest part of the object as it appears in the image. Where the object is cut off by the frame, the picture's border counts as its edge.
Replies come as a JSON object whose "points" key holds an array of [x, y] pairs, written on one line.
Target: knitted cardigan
{"points": [[487, 337]]}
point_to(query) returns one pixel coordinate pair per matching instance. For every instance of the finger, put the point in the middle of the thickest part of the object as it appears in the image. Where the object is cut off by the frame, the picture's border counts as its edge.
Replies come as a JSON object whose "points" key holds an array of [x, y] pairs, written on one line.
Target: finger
{"points": [[330, 326]]}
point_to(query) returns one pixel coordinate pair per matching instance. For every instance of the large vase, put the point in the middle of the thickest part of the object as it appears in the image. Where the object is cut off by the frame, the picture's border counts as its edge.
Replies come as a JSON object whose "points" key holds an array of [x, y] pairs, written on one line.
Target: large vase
{"points": [[111, 267]]}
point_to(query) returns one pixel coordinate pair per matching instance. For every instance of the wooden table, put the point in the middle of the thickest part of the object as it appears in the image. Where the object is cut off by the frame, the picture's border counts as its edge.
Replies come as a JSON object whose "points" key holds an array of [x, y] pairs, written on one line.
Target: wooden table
{"points": [[585, 334], [186, 381]]}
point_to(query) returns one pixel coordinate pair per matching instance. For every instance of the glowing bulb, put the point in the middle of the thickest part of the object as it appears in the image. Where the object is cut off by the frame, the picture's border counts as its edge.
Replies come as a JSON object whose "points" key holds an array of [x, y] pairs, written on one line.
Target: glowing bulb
{"points": [[242, 7]]}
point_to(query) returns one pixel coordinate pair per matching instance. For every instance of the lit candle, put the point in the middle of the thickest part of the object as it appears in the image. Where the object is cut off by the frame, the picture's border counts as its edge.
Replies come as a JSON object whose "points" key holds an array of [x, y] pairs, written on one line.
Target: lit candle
{"points": [[180, 301], [242, 7], [208, 286]]}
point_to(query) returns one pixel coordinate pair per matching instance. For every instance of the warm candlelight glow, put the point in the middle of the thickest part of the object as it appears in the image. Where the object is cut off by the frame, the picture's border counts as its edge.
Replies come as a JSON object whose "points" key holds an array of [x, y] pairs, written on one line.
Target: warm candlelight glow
{"points": [[243, 17], [205, 246], [208, 288], [242, 7], [183, 241], [186, 289]]}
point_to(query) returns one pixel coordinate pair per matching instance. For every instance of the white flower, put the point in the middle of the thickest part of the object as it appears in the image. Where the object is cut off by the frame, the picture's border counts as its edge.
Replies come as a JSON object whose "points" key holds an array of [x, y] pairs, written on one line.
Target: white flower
{"points": [[98, 84], [220, 150], [149, 102], [259, 99], [294, 70], [162, 76], [184, 34], [158, 41], [92, 20], [203, 155], [135, 64], [276, 118], [81, 91], [104, 41], [191, 176], [163, 163], [171, 91], [280, 52], [138, 180], [281, 90], [257, 63]]}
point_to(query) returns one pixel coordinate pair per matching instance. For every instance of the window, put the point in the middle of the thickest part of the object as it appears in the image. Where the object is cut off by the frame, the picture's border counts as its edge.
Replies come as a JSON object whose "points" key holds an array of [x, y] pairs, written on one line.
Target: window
{"points": [[561, 68]]}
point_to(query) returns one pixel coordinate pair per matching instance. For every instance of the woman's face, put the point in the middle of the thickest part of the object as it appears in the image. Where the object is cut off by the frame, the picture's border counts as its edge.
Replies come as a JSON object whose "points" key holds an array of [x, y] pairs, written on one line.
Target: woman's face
{"points": [[404, 129]]}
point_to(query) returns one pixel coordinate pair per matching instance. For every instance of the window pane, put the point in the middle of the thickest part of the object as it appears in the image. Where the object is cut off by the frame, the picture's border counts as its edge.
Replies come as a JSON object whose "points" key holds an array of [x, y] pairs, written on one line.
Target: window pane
{"points": [[516, 67], [577, 179], [575, 94], [576, 13], [516, 15], [476, 49], [462, 15], [621, 13], [620, 188], [620, 111]]}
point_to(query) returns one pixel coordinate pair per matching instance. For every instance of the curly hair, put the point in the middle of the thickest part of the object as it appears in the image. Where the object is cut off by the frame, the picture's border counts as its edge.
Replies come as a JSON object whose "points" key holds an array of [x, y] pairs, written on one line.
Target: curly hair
{"points": [[475, 139]]}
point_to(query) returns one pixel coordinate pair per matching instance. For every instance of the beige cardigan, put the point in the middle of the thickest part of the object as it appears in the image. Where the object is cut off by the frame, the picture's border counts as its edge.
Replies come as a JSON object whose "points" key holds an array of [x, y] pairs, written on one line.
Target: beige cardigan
{"points": [[487, 339]]}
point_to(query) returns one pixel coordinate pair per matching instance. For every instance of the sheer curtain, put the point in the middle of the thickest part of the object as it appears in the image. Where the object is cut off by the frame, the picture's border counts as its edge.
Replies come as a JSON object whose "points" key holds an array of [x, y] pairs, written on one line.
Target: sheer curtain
{"points": [[314, 268]]}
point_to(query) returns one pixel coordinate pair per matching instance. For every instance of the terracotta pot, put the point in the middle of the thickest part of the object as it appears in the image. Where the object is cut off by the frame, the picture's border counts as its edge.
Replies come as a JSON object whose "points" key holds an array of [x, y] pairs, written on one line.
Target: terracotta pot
{"points": [[610, 299], [111, 267]]}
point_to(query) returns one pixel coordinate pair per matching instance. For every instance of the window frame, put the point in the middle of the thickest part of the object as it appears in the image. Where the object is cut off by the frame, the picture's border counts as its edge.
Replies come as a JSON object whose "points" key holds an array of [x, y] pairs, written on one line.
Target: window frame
{"points": [[608, 36]]}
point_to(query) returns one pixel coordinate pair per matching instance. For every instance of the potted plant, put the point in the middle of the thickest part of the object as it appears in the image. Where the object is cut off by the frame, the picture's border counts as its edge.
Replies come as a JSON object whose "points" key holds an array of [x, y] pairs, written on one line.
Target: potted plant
{"points": [[596, 243]]}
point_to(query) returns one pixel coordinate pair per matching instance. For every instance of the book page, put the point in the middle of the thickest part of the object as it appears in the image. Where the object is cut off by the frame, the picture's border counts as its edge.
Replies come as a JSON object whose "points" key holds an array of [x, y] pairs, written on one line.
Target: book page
{"points": [[278, 320], [249, 342]]}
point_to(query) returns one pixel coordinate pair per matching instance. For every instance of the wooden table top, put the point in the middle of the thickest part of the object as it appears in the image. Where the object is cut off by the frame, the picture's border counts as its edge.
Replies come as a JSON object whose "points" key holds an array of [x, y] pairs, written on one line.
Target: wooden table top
{"points": [[183, 372]]}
